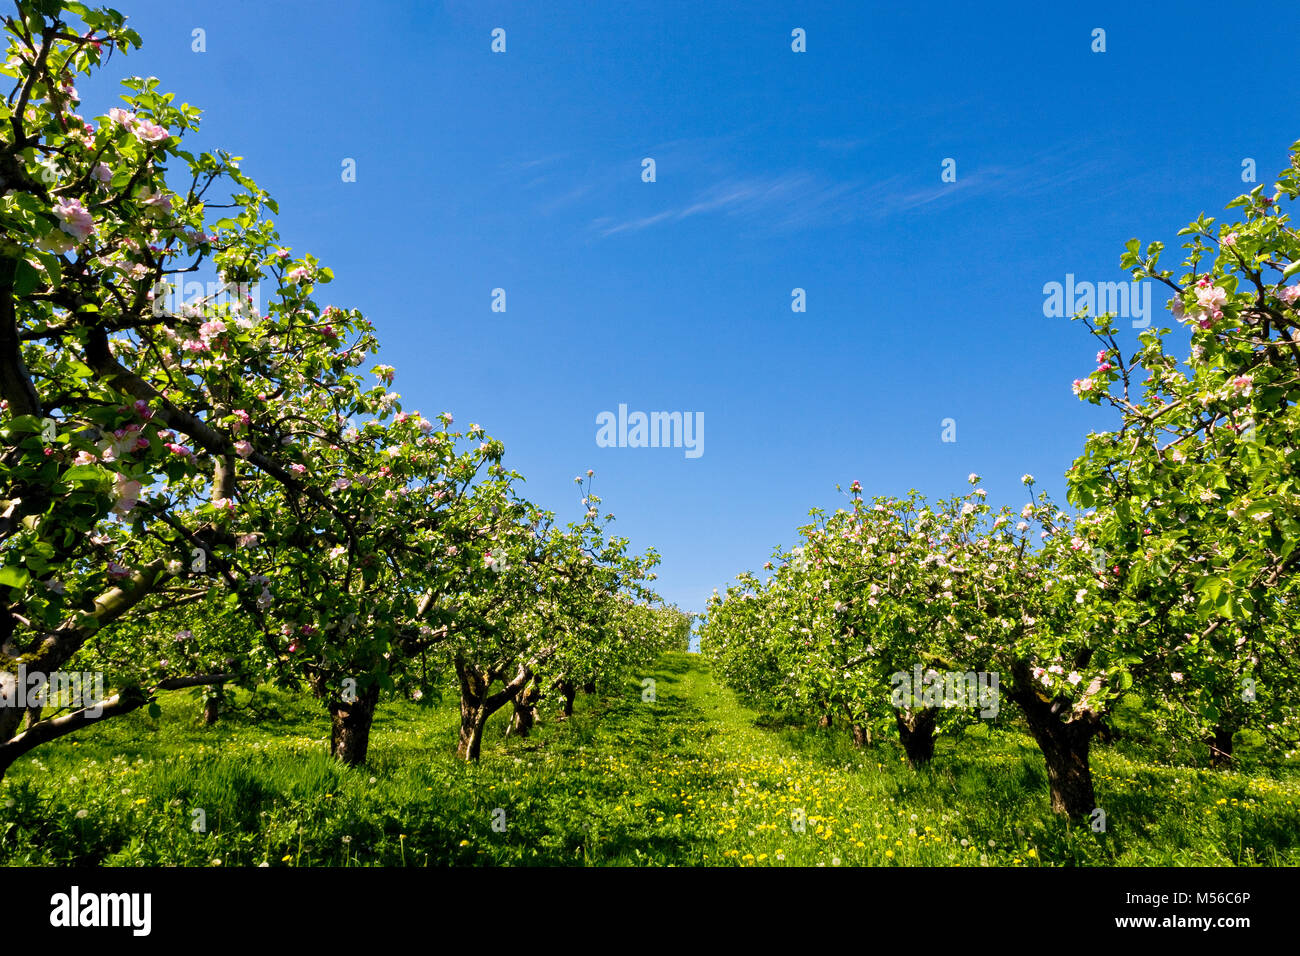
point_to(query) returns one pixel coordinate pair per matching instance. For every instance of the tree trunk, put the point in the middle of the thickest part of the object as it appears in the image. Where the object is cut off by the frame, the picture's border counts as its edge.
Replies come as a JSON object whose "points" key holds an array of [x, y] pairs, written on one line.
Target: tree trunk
{"points": [[477, 704], [472, 721], [1069, 775], [861, 731], [525, 715], [824, 720], [1065, 740], [568, 691], [350, 726], [212, 705], [589, 687], [916, 731], [473, 710], [10, 717], [1220, 744]]}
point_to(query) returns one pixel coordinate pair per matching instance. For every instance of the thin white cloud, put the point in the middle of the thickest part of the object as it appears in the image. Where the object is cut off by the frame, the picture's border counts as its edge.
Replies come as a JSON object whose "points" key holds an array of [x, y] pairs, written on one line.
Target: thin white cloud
{"points": [[799, 198]]}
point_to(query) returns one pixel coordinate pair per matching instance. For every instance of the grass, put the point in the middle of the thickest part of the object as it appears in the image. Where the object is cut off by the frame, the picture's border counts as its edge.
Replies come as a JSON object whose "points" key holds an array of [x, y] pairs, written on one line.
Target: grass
{"points": [[694, 778]]}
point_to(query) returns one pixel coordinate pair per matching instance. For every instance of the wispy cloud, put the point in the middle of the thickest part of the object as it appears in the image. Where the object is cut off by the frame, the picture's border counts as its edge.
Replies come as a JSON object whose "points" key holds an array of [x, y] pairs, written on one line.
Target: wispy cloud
{"points": [[522, 164], [800, 198]]}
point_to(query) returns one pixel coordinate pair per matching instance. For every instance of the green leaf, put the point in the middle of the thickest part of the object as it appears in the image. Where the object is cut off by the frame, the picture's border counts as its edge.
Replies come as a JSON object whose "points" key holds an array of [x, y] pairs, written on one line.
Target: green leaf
{"points": [[90, 473], [26, 279], [14, 577]]}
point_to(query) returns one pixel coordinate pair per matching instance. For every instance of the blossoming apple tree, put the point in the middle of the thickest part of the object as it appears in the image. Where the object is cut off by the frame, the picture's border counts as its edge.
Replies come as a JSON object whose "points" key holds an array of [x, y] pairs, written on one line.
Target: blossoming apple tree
{"points": [[1198, 482]]}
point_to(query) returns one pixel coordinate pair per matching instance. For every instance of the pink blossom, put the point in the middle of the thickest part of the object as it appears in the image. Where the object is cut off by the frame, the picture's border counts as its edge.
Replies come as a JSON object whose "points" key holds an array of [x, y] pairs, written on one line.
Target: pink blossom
{"points": [[75, 219], [298, 469], [147, 132], [158, 202], [243, 448], [128, 495], [102, 173], [122, 117], [210, 330], [1289, 294], [180, 450], [1210, 298]]}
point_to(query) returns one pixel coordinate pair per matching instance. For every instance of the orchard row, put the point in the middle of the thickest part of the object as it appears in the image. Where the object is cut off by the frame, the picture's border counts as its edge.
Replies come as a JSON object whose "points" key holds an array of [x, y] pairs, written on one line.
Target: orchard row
{"points": [[1172, 577], [218, 495]]}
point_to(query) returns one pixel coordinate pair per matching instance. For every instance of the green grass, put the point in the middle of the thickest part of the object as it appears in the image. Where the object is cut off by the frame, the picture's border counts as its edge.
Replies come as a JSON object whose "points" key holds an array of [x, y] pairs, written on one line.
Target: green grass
{"points": [[694, 778]]}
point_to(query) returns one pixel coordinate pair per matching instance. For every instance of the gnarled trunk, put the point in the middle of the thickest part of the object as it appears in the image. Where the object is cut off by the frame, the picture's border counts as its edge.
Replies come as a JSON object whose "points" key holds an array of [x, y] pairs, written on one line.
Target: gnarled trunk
{"points": [[350, 726], [916, 731], [525, 715], [1064, 739], [1069, 775], [477, 705]]}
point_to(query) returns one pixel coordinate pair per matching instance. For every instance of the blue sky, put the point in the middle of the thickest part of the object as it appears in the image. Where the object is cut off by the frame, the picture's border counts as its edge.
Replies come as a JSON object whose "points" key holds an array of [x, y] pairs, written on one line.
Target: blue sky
{"points": [[775, 170]]}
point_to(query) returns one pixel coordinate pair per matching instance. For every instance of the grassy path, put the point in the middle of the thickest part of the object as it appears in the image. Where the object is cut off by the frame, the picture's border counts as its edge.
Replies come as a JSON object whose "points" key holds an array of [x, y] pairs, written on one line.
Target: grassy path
{"points": [[692, 778]]}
